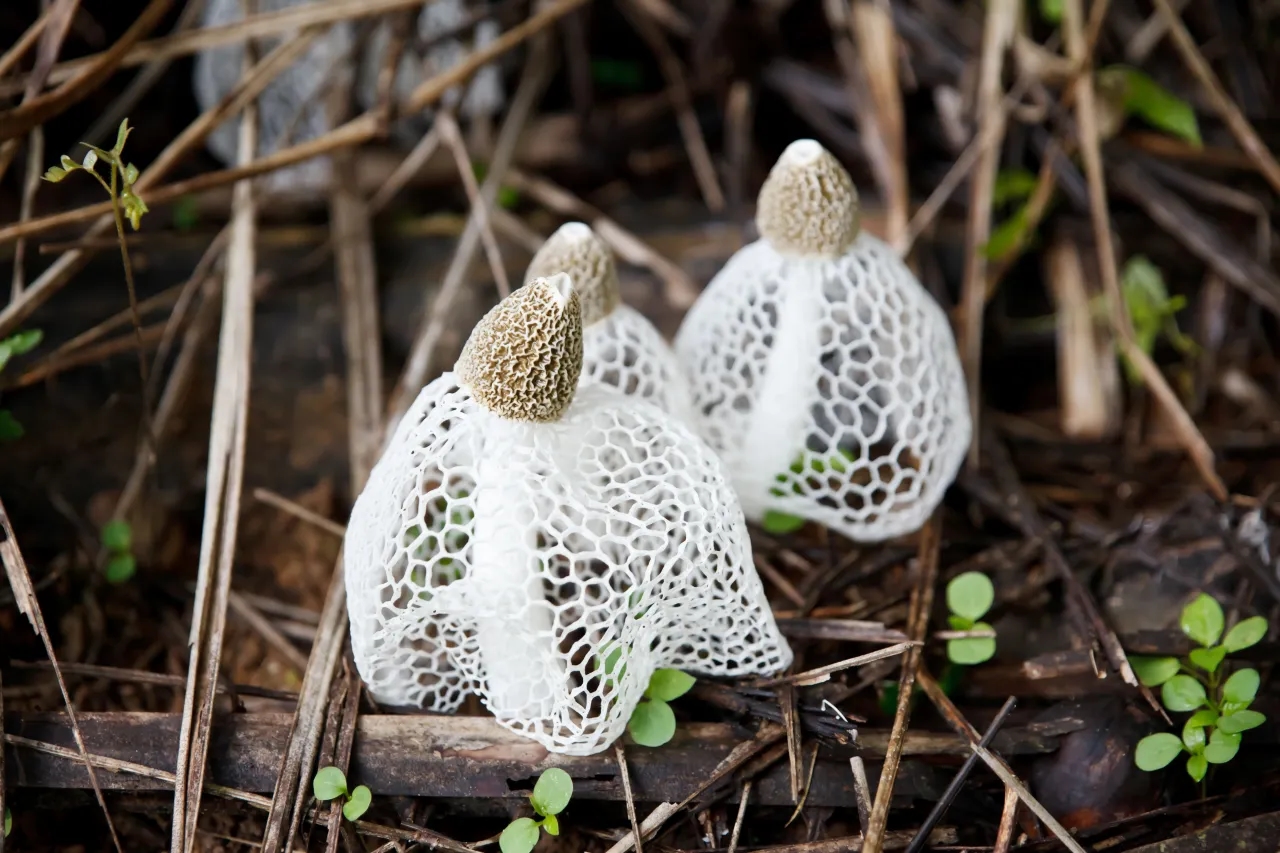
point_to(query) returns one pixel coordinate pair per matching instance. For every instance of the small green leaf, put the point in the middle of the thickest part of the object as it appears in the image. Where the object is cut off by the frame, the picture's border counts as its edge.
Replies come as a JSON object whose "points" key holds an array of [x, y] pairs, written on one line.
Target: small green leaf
{"points": [[130, 175], [10, 429], [330, 782], [551, 824], [1248, 633], [186, 215], [1012, 185], [972, 650], [1156, 751], [552, 792], [507, 198], [1222, 747], [1203, 717], [520, 836], [1008, 236], [1241, 721], [970, 595], [1193, 738], [1197, 766], [1154, 104], [122, 135], [1208, 659], [1153, 672], [55, 174], [960, 623], [358, 804], [1182, 693], [669, 684], [780, 524], [120, 568], [1051, 11], [1202, 620], [1242, 686], [68, 164], [90, 158], [8, 822], [23, 342], [653, 723], [117, 536]]}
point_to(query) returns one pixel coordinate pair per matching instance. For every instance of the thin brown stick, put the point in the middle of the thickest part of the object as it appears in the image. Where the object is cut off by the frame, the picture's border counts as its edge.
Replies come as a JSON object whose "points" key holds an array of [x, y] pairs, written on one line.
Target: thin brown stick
{"points": [[917, 624], [14, 54], [224, 480], [872, 25], [673, 73], [82, 356], [453, 140], [651, 824], [621, 755], [1008, 816], [268, 632], [861, 792], [1240, 127], [403, 173], [824, 673], [998, 32], [299, 511], [24, 595], [30, 186], [742, 814], [1086, 118]]}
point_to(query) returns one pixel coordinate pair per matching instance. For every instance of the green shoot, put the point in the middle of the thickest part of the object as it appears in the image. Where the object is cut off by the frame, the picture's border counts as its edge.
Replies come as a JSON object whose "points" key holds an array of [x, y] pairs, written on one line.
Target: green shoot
{"points": [[1152, 310], [1219, 707], [551, 795], [1148, 100], [653, 723], [330, 783], [1051, 11], [18, 344], [8, 822], [969, 597], [117, 539]]}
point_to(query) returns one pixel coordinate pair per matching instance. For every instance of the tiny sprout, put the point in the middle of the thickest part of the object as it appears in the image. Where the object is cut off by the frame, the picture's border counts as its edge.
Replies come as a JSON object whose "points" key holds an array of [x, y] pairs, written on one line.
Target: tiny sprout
{"points": [[8, 822], [22, 342], [969, 597], [1219, 708], [653, 723], [330, 783], [117, 539], [551, 794]]}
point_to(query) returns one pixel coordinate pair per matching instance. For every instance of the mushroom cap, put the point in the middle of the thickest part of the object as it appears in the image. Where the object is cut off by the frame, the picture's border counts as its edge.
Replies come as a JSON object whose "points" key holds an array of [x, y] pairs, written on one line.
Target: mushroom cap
{"points": [[578, 251], [524, 357], [808, 205]]}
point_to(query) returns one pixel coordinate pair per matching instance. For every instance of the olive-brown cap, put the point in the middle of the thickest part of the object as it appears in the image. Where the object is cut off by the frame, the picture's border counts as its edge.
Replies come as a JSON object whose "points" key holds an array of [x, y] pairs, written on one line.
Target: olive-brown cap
{"points": [[808, 205], [524, 357], [579, 252]]}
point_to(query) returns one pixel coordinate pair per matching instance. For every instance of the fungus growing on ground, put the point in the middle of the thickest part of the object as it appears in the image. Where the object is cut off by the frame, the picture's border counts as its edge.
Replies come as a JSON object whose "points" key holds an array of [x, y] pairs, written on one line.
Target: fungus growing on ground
{"points": [[621, 348], [519, 532], [821, 370], [291, 109]]}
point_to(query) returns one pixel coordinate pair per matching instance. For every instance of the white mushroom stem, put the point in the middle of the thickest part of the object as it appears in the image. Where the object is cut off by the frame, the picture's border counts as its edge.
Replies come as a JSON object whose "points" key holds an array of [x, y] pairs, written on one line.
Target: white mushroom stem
{"points": [[516, 643], [777, 434]]}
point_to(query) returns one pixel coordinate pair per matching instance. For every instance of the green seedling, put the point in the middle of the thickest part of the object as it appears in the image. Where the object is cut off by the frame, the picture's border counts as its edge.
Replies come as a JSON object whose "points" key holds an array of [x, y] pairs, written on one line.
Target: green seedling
{"points": [[1141, 97], [551, 794], [653, 723], [1219, 707], [22, 342], [1152, 310], [8, 822], [810, 465], [969, 597], [117, 539], [330, 783], [125, 201]]}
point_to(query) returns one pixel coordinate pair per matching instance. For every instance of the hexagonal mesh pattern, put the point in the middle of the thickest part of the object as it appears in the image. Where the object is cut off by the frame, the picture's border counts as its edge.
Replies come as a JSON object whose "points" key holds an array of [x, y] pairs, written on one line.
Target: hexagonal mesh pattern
{"points": [[291, 109], [549, 568], [626, 352], [831, 388]]}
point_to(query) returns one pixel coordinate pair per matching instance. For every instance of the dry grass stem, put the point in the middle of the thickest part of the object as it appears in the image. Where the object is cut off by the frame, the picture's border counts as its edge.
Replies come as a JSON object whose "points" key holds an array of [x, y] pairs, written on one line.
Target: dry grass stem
{"points": [[462, 160], [873, 31], [636, 832], [299, 512], [651, 824]]}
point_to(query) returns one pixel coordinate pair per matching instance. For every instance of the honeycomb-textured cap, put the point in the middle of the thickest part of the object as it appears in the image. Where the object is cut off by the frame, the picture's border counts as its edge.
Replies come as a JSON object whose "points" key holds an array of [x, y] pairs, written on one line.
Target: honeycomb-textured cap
{"points": [[524, 357], [808, 205], [580, 253]]}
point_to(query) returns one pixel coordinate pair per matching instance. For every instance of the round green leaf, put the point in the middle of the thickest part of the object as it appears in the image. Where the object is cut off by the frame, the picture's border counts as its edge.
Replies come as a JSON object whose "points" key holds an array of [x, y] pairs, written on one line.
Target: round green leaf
{"points": [[1248, 633], [121, 568], [1197, 766], [970, 595], [330, 782], [1182, 693], [551, 824], [1156, 751], [358, 804], [780, 524], [520, 836], [972, 650], [1202, 620], [1153, 672], [1193, 738], [1203, 717], [1241, 721], [117, 536], [1208, 659], [669, 684], [653, 723], [1222, 747], [1242, 686], [552, 792]]}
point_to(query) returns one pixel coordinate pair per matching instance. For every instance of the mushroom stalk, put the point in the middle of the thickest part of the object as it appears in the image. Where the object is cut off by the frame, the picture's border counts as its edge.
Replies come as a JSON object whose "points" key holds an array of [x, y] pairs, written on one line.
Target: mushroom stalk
{"points": [[516, 643], [773, 443]]}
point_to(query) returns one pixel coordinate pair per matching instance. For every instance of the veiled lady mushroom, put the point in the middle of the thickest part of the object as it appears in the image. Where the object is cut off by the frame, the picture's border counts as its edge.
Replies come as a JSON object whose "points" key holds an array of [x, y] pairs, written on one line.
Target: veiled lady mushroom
{"points": [[518, 532], [821, 370], [620, 347]]}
